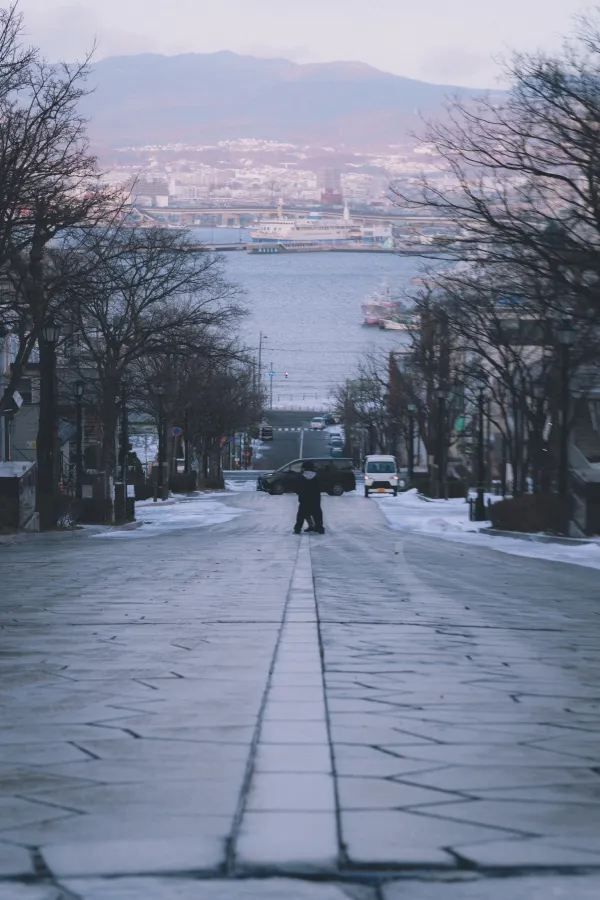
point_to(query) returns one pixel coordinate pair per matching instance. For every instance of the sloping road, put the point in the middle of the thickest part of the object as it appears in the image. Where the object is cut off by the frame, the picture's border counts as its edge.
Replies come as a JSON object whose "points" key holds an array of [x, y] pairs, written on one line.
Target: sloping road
{"points": [[394, 716]]}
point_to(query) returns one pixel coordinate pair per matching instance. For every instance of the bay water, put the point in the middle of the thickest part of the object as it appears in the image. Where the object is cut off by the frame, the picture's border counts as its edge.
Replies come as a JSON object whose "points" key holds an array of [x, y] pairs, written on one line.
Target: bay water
{"points": [[308, 308]]}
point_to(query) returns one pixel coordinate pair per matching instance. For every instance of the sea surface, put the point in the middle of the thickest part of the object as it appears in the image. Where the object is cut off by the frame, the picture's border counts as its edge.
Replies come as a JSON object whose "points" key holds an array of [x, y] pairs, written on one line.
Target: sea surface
{"points": [[308, 307]]}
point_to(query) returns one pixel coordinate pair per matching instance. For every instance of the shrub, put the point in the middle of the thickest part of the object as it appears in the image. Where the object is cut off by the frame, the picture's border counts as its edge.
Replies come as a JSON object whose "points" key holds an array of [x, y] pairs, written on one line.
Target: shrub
{"points": [[530, 512], [183, 483]]}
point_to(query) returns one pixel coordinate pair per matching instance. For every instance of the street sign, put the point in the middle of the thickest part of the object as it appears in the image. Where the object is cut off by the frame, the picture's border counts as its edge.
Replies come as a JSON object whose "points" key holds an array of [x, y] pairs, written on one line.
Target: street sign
{"points": [[176, 431], [17, 399]]}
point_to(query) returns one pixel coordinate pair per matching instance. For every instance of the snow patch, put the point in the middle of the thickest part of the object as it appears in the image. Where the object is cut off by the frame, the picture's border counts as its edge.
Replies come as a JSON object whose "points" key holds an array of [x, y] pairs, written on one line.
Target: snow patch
{"points": [[199, 510], [449, 519]]}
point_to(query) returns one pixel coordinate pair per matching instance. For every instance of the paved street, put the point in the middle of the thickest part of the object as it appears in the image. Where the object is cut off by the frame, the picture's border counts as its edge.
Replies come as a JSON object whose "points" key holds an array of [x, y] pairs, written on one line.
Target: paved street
{"points": [[234, 712]]}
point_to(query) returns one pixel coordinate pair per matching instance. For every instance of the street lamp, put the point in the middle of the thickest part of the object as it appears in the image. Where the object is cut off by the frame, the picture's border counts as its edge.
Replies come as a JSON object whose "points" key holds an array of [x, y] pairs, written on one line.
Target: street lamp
{"points": [[539, 395], [411, 441], [160, 394], [479, 500], [50, 333], [47, 439], [441, 443], [566, 336], [79, 389]]}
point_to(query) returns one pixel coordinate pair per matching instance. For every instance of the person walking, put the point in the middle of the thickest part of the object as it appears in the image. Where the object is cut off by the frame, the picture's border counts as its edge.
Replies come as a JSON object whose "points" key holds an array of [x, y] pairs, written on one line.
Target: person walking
{"points": [[309, 500]]}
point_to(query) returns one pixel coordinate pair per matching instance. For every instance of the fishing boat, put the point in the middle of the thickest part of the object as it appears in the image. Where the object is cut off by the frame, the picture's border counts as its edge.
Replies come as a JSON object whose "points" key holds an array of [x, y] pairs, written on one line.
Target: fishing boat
{"points": [[400, 323], [380, 306]]}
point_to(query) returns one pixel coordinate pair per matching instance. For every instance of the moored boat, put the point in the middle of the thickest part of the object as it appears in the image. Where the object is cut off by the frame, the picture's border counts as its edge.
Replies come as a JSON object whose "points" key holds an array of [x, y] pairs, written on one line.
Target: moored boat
{"points": [[314, 231]]}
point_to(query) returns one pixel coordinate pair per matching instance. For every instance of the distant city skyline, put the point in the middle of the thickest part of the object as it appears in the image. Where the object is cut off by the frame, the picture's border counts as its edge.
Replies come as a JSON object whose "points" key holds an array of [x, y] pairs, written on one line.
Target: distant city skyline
{"points": [[461, 42]]}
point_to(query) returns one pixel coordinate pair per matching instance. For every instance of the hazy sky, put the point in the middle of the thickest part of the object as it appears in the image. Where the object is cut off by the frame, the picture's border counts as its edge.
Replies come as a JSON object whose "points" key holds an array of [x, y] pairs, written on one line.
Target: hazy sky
{"points": [[449, 41]]}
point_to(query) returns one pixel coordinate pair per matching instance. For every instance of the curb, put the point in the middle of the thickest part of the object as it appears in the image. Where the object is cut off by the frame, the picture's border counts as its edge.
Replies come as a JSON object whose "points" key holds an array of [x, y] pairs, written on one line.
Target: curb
{"points": [[536, 537]]}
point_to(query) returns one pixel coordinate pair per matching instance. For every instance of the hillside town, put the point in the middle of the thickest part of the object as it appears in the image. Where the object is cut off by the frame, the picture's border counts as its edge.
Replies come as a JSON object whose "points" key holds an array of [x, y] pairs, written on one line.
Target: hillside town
{"points": [[253, 171]]}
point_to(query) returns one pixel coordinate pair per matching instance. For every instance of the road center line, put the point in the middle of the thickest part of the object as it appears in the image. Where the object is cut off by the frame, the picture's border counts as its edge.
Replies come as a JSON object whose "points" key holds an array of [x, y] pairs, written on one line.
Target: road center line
{"points": [[289, 820]]}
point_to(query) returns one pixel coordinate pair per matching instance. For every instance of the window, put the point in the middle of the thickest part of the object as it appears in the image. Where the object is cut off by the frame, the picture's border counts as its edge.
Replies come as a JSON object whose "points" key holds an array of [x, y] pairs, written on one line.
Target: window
{"points": [[380, 467]]}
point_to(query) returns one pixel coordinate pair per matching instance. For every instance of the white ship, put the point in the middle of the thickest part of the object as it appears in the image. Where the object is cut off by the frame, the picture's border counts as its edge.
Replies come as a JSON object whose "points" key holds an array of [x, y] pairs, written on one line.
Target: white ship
{"points": [[310, 231]]}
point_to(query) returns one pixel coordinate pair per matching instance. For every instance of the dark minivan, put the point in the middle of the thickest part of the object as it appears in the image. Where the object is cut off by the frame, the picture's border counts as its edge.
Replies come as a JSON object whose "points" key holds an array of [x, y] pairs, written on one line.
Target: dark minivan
{"points": [[337, 476]]}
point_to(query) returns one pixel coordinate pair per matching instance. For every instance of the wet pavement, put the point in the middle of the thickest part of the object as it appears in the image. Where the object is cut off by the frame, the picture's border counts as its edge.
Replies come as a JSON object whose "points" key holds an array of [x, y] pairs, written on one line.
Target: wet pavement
{"points": [[236, 712]]}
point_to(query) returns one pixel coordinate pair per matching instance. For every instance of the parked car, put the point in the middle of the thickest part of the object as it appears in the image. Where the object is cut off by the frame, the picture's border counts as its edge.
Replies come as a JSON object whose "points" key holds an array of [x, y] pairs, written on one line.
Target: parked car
{"points": [[318, 423], [336, 447], [382, 476], [329, 420], [337, 476]]}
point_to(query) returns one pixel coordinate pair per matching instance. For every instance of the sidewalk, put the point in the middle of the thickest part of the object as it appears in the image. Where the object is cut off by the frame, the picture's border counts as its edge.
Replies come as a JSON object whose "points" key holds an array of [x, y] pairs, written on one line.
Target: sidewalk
{"points": [[449, 520], [231, 711]]}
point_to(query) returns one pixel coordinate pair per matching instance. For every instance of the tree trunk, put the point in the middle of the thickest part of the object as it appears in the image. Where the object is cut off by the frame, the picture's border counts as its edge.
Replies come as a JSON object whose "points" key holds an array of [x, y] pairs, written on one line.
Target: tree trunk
{"points": [[47, 439], [108, 459]]}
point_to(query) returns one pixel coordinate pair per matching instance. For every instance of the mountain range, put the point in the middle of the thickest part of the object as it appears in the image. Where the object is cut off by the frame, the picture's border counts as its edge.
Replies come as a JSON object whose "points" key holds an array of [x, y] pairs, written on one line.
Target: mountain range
{"points": [[206, 97]]}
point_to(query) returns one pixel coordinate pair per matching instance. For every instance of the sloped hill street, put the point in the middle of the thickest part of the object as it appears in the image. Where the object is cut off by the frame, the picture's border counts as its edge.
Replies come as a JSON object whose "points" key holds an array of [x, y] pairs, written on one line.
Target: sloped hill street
{"points": [[229, 710]]}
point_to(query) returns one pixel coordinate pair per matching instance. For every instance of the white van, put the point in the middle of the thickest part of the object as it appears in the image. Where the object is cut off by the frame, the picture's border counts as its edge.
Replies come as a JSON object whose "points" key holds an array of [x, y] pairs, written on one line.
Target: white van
{"points": [[381, 475]]}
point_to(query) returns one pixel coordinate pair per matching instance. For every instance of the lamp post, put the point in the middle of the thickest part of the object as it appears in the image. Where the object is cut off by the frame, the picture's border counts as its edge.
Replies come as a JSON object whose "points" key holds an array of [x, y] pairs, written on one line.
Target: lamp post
{"points": [[47, 439], [441, 443], [79, 389], [124, 446], [411, 441], [160, 481], [479, 500], [539, 394], [186, 440], [566, 336]]}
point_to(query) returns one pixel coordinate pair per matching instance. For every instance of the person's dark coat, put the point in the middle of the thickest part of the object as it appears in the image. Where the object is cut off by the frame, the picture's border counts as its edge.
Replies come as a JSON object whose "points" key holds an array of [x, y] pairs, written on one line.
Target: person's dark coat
{"points": [[309, 500], [309, 490]]}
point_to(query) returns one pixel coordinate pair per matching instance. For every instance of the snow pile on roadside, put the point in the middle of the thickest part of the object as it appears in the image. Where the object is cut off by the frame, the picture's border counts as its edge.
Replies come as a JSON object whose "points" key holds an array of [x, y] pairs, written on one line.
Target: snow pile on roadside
{"points": [[449, 520], [246, 484], [198, 510], [409, 511]]}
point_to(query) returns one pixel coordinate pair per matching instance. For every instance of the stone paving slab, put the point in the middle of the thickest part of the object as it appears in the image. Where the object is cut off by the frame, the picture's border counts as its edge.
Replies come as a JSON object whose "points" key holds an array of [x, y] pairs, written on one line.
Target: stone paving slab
{"points": [[526, 888], [172, 852], [15, 861], [188, 889], [13, 891]]}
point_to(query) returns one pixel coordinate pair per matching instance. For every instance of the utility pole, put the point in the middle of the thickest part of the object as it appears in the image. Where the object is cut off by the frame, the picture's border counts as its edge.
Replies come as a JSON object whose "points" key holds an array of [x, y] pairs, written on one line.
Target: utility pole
{"points": [[261, 339]]}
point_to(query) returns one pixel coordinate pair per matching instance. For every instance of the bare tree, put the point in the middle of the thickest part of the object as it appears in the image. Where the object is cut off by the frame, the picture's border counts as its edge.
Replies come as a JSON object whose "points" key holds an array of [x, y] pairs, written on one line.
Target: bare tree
{"points": [[48, 181], [521, 185], [134, 294]]}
